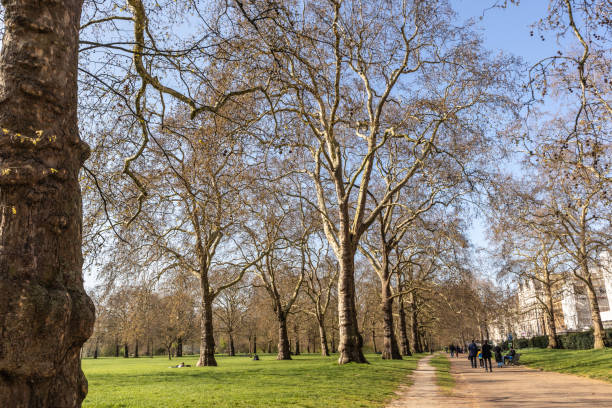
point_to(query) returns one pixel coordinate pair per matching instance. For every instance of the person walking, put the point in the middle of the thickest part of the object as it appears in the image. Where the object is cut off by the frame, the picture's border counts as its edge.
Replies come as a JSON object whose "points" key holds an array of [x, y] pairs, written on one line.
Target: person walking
{"points": [[472, 352], [486, 356], [499, 359], [452, 350]]}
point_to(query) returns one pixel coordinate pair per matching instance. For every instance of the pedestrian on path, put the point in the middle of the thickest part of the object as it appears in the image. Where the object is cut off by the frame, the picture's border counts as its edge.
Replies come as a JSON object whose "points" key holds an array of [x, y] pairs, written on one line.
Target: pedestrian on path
{"points": [[499, 359], [510, 355], [472, 352], [486, 356], [452, 350]]}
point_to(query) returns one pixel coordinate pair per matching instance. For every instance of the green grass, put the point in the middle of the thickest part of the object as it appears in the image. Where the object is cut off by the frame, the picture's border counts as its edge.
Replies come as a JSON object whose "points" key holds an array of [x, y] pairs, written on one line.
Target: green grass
{"points": [[306, 381], [444, 378], [587, 363]]}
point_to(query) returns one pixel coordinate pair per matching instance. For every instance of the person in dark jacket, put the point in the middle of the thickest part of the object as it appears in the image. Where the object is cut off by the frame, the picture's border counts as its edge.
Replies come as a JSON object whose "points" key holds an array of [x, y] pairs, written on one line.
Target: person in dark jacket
{"points": [[472, 353], [499, 359], [486, 356], [452, 350], [510, 355]]}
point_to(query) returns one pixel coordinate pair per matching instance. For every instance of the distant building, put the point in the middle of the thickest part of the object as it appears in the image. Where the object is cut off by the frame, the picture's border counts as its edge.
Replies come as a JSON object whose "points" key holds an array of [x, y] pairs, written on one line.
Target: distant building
{"points": [[570, 303]]}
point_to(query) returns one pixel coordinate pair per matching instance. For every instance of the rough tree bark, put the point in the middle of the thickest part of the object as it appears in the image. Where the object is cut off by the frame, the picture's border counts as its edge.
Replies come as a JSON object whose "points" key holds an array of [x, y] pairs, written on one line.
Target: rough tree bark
{"points": [[598, 329], [284, 349], [414, 326], [45, 314], [550, 317], [323, 338], [350, 342], [390, 349], [232, 349], [207, 343], [333, 343], [404, 343], [296, 333], [179, 347]]}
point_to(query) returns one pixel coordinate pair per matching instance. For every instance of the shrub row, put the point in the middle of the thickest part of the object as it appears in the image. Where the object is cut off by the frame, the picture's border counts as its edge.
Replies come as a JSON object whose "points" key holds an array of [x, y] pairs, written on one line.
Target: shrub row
{"points": [[571, 341]]}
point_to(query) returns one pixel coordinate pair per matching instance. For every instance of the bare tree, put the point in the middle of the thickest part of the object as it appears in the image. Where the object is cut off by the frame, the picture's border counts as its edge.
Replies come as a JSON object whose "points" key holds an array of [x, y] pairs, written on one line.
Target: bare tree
{"points": [[321, 274], [345, 74]]}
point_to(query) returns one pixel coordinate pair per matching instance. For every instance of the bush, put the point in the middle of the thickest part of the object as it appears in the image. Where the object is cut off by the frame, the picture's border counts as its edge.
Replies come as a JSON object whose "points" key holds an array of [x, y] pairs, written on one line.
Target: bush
{"points": [[521, 343], [570, 341], [577, 341], [538, 342]]}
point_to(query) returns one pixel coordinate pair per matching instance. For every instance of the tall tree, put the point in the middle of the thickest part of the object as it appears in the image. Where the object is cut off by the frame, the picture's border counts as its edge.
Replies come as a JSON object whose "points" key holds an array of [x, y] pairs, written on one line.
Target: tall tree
{"points": [[570, 150], [45, 313], [357, 76]]}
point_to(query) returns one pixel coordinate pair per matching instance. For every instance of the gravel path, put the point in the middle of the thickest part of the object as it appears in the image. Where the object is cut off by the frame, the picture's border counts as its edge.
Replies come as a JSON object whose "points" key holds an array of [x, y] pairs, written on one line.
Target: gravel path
{"points": [[505, 387]]}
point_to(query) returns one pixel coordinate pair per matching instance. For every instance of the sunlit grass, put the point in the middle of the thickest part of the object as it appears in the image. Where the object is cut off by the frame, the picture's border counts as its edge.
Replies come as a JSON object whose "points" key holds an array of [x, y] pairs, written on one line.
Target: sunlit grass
{"points": [[588, 363], [306, 381], [444, 378]]}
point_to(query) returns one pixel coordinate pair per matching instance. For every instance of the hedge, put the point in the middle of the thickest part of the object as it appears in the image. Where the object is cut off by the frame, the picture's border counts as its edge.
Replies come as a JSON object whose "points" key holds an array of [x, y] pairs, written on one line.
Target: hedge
{"points": [[572, 341]]}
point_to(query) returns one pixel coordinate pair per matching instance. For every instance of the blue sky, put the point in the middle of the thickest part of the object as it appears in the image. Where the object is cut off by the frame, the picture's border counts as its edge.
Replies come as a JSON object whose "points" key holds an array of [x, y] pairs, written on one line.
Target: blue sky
{"points": [[506, 30], [509, 29]]}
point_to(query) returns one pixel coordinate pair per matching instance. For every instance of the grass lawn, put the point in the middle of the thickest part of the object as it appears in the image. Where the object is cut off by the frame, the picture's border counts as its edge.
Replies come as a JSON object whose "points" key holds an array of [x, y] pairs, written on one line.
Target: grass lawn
{"points": [[306, 381], [444, 378], [588, 363]]}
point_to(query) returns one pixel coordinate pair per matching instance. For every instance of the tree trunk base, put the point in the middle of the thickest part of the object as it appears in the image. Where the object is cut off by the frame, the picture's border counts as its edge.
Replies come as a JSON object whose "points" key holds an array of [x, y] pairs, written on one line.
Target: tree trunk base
{"points": [[352, 356], [389, 355], [207, 360]]}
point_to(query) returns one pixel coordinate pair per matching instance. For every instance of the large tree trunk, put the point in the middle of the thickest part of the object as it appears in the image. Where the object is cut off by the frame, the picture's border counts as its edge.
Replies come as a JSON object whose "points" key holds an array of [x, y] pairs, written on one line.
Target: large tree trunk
{"points": [[296, 333], [374, 337], [207, 342], [232, 350], [179, 347], [284, 349], [390, 349], [255, 343], [126, 351], [404, 344], [136, 350], [598, 329], [116, 349], [323, 338], [350, 343], [414, 326], [45, 314]]}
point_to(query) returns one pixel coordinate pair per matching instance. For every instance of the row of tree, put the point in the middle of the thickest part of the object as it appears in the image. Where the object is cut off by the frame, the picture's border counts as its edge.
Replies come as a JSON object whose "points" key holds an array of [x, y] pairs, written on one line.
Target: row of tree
{"points": [[280, 144], [553, 219]]}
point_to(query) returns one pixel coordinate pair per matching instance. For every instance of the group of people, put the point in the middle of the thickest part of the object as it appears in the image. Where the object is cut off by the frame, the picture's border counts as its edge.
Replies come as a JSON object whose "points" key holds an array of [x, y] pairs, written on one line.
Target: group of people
{"points": [[482, 355], [455, 350]]}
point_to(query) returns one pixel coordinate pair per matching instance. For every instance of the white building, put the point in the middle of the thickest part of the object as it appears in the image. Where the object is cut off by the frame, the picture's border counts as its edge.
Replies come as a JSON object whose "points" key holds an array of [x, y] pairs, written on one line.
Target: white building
{"points": [[571, 304]]}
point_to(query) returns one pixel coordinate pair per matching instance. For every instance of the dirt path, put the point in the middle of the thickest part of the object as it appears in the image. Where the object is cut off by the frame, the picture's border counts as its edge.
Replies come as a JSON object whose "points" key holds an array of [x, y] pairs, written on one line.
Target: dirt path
{"points": [[504, 387], [424, 392]]}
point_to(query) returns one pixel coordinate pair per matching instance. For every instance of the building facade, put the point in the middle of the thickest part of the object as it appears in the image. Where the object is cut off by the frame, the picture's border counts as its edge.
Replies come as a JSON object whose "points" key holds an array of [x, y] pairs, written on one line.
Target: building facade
{"points": [[570, 303]]}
